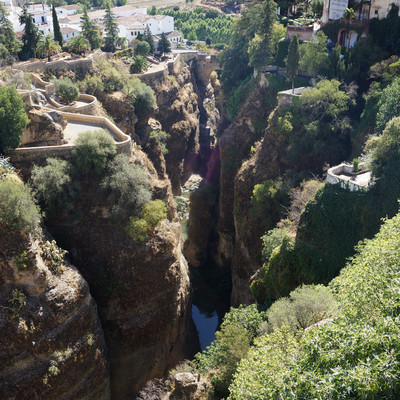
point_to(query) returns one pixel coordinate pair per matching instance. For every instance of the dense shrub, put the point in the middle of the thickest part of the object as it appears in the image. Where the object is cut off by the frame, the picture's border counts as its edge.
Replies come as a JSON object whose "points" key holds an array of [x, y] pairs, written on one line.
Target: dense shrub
{"points": [[13, 118], [92, 84], [233, 340], [18, 211], [142, 48], [143, 99], [161, 137], [305, 306], [139, 65], [93, 151], [52, 184], [66, 89], [355, 355], [388, 105], [151, 215], [126, 188]]}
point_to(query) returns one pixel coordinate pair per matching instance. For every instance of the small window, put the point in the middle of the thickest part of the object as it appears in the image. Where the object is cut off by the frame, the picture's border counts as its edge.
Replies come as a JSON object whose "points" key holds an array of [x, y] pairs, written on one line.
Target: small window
{"points": [[376, 12], [131, 33]]}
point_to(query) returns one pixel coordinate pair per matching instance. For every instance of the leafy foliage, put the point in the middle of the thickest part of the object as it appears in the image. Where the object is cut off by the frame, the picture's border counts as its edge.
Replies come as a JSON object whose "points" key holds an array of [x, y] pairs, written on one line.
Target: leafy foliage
{"points": [[161, 137], [111, 29], [232, 343], [47, 47], [151, 215], [78, 45], [388, 105], [93, 152], [355, 355], [31, 36], [90, 31], [139, 65], [13, 118], [314, 56], [52, 184], [18, 211], [143, 48], [293, 58], [204, 24], [164, 46], [126, 187], [66, 89]]}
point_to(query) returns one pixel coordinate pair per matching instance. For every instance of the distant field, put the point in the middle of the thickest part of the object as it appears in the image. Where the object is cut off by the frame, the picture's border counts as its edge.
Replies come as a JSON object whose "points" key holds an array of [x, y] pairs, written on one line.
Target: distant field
{"points": [[157, 3]]}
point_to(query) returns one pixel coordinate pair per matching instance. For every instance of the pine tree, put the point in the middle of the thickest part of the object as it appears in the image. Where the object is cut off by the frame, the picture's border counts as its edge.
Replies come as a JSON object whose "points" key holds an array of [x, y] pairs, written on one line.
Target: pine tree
{"points": [[292, 62], [111, 29], [148, 37], [164, 46], [56, 27], [7, 35], [31, 36], [90, 31]]}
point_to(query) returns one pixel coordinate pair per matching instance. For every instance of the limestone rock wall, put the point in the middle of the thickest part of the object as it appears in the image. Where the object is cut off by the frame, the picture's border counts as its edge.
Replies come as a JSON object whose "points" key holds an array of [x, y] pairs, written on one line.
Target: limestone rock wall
{"points": [[51, 342]]}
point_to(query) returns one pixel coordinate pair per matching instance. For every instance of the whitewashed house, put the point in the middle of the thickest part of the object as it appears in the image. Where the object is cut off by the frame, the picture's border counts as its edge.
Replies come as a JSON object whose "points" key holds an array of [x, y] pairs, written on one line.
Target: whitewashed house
{"points": [[69, 33], [65, 11]]}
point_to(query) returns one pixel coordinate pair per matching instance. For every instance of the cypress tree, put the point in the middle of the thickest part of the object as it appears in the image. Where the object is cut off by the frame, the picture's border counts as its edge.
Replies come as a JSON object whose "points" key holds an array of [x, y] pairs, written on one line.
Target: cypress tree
{"points": [[31, 36], [148, 37], [90, 31], [56, 27], [164, 46], [7, 35], [292, 62], [111, 29]]}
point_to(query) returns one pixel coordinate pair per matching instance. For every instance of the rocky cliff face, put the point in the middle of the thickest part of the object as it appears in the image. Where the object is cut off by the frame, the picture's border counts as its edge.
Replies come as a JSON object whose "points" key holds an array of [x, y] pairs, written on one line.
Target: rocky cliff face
{"points": [[178, 113], [142, 289], [51, 341]]}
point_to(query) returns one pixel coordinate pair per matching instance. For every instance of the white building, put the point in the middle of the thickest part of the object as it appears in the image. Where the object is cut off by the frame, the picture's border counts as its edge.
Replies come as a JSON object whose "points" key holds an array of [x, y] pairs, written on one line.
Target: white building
{"points": [[65, 11], [68, 33], [175, 38]]}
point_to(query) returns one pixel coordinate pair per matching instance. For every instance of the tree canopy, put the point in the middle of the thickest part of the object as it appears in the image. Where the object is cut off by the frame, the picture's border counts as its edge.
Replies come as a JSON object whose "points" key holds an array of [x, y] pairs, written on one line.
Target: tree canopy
{"points": [[13, 118]]}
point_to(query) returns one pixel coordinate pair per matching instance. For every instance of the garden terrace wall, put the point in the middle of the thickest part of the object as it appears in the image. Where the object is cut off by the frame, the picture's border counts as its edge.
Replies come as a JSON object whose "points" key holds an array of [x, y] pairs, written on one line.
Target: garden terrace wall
{"points": [[90, 108], [25, 157], [84, 64]]}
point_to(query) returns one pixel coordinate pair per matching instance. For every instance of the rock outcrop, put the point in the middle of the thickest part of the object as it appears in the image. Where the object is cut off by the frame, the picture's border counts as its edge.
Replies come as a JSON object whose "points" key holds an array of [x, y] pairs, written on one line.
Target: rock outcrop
{"points": [[51, 342], [44, 129], [178, 113]]}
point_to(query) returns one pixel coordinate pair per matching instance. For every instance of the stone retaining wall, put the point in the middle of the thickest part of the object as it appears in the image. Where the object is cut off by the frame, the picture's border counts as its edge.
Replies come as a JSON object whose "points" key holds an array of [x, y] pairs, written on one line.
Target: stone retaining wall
{"points": [[59, 65], [90, 108], [37, 155]]}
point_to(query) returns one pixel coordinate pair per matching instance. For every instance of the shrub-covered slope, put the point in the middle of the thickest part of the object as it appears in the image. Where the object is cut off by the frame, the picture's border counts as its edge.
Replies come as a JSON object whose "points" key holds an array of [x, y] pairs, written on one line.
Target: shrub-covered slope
{"points": [[354, 356]]}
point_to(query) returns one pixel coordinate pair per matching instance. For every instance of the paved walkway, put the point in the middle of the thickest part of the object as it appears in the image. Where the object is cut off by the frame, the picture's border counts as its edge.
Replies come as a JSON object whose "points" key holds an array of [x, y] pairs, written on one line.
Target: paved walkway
{"points": [[73, 129]]}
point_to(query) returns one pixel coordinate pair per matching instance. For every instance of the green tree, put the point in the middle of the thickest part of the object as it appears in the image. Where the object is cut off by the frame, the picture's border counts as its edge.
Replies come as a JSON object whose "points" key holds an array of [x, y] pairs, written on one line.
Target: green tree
{"points": [[56, 27], [111, 28], [314, 57], [152, 10], [13, 118], [7, 35], [78, 45], [126, 188], [66, 89], [292, 62], [348, 15], [148, 37], [388, 105], [47, 46], [164, 46], [52, 185], [30, 37], [139, 65], [90, 31], [18, 211], [93, 153], [143, 48]]}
